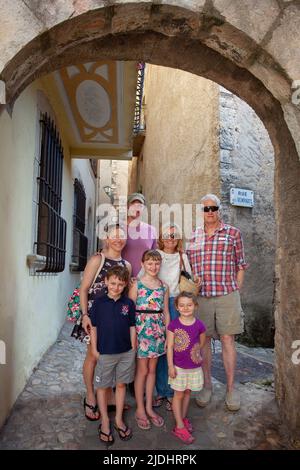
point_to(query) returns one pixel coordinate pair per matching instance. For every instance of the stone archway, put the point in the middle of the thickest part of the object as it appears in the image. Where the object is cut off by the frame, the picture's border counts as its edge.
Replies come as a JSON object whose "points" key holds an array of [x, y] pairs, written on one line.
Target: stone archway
{"points": [[221, 40]]}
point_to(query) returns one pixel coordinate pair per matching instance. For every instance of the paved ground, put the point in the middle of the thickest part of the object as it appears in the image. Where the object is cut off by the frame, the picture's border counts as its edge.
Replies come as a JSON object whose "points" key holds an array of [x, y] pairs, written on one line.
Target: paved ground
{"points": [[49, 412]]}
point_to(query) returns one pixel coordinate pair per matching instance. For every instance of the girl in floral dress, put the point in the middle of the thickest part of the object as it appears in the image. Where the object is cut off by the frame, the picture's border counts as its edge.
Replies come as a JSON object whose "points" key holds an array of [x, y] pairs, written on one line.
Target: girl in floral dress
{"points": [[152, 317]]}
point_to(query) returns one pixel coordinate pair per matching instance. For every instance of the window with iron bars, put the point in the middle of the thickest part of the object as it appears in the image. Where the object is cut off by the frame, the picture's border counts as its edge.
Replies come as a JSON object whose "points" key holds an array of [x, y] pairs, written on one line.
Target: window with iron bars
{"points": [[51, 227], [80, 241]]}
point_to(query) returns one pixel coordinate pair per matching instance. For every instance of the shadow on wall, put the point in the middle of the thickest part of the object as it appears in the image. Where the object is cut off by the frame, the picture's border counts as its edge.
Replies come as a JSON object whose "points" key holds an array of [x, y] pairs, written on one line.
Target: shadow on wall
{"points": [[259, 326]]}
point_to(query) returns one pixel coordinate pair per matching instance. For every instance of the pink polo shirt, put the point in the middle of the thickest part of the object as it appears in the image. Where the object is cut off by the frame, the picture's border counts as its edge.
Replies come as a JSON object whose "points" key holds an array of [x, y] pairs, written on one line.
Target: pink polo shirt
{"points": [[139, 239]]}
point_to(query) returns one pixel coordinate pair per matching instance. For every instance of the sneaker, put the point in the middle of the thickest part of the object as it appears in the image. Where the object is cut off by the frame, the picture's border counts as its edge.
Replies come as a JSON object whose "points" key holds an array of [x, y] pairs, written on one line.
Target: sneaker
{"points": [[183, 435], [204, 397], [232, 400], [188, 425]]}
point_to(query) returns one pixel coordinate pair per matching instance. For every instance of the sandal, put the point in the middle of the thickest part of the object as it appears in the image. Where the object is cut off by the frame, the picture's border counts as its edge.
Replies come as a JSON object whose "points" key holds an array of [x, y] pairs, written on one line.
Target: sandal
{"points": [[124, 437], [94, 409], [109, 441], [183, 435], [157, 420], [143, 423], [157, 402], [188, 425], [168, 405]]}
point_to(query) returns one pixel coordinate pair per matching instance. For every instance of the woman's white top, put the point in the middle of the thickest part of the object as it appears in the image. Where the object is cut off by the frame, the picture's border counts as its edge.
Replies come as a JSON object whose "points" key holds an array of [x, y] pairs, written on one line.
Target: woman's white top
{"points": [[170, 270]]}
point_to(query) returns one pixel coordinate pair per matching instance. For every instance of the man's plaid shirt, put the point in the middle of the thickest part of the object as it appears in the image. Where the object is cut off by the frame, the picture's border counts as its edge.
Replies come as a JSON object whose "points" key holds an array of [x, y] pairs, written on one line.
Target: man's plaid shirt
{"points": [[217, 259]]}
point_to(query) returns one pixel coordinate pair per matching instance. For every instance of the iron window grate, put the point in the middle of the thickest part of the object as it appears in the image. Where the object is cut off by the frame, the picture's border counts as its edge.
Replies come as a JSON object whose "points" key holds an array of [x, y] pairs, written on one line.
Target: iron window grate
{"points": [[80, 241], [51, 233]]}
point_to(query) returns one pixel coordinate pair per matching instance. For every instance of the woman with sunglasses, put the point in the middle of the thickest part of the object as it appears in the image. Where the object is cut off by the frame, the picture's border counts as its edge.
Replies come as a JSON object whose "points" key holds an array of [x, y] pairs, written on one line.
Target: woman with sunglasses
{"points": [[170, 246]]}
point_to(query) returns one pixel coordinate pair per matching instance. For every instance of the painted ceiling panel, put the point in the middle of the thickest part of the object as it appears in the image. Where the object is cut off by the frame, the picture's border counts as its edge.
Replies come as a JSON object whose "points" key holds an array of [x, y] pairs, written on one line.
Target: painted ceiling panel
{"points": [[96, 101]]}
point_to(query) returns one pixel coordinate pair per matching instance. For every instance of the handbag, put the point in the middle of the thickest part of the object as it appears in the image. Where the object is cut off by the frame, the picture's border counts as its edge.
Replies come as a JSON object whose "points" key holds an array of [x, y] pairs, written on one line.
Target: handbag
{"points": [[186, 283], [74, 310]]}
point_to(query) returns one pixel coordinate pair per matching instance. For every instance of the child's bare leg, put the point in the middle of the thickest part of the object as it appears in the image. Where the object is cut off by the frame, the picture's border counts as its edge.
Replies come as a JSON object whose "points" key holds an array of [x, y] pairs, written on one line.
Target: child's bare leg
{"points": [[177, 408], [139, 386], [102, 403], [120, 401], [186, 402], [150, 383]]}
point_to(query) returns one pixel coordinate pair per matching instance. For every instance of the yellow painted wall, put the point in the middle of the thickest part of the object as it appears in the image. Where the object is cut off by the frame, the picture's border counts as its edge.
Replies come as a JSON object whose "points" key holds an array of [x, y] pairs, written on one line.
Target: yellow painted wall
{"points": [[32, 309], [181, 152]]}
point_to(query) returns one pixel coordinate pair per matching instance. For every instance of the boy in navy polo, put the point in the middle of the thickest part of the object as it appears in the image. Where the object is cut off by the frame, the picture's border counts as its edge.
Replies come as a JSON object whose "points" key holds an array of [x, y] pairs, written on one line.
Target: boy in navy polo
{"points": [[113, 341]]}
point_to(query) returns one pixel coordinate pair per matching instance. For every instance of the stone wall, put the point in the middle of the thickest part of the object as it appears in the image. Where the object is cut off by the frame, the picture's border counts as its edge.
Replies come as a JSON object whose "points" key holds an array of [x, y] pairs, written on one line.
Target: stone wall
{"points": [[247, 161]]}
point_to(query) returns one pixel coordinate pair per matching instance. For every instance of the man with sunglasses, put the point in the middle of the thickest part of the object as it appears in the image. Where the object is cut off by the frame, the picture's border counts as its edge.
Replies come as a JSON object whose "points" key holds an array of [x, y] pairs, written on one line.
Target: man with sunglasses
{"points": [[216, 255]]}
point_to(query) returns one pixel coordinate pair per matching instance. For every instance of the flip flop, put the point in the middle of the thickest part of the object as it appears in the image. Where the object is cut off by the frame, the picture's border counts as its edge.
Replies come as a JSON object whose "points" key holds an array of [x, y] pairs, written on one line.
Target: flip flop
{"points": [[157, 402], [101, 433], [124, 437], [143, 423], [94, 409], [157, 420], [169, 405]]}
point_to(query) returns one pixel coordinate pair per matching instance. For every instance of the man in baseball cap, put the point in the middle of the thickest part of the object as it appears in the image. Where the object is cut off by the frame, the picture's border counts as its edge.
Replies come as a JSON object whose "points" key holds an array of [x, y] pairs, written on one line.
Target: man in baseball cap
{"points": [[136, 197], [140, 237], [143, 235]]}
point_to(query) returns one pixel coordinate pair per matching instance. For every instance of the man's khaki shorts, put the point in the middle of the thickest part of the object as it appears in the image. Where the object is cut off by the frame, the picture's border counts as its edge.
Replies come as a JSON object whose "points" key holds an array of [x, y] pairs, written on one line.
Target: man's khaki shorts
{"points": [[222, 315], [115, 368]]}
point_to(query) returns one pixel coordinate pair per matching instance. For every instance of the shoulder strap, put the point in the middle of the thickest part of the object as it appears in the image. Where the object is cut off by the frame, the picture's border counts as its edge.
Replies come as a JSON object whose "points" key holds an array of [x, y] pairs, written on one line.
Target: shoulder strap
{"points": [[100, 267], [181, 265], [181, 261]]}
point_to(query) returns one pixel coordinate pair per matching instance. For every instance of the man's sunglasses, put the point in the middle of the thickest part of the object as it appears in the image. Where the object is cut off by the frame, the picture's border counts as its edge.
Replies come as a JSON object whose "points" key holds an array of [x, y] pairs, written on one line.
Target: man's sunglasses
{"points": [[210, 208]]}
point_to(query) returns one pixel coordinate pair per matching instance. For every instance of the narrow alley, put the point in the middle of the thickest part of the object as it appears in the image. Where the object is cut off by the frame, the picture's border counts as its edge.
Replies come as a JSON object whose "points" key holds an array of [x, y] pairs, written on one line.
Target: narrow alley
{"points": [[49, 412]]}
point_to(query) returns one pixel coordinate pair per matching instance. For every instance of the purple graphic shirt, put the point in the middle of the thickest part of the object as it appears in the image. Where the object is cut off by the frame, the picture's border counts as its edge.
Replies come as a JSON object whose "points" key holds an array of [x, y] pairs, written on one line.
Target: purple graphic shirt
{"points": [[187, 354]]}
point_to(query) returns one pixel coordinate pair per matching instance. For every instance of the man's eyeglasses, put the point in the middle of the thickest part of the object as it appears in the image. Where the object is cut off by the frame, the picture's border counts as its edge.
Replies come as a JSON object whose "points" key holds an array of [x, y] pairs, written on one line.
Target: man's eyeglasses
{"points": [[210, 208]]}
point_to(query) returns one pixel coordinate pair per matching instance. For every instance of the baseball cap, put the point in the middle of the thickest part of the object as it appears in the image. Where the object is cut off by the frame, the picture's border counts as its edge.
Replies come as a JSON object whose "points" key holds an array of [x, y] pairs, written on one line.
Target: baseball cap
{"points": [[136, 197]]}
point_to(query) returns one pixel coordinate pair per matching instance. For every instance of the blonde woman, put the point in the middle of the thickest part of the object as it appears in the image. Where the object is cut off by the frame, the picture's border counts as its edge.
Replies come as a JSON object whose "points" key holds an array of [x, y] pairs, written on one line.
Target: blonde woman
{"points": [[170, 246], [89, 291]]}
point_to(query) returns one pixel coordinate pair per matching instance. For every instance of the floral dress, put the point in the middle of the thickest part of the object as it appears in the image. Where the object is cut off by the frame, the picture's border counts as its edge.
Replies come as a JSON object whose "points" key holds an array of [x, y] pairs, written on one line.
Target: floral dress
{"points": [[150, 327]]}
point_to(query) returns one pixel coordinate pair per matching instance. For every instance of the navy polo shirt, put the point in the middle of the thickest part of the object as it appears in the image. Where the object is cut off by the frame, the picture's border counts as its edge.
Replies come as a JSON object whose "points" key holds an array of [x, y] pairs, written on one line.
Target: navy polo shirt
{"points": [[113, 319]]}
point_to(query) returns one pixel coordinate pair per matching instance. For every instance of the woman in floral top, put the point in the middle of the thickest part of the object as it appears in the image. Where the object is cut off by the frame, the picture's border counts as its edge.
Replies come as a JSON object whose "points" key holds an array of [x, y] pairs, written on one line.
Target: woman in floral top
{"points": [[89, 291], [152, 317]]}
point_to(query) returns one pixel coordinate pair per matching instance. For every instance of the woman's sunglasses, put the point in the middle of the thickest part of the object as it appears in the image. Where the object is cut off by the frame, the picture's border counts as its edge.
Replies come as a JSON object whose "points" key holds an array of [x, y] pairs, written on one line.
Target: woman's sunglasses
{"points": [[170, 236]]}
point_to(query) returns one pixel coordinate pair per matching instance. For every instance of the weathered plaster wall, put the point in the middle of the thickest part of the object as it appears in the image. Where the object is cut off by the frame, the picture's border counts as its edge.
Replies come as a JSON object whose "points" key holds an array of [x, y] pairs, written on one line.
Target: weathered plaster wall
{"points": [[32, 308], [180, 154]]}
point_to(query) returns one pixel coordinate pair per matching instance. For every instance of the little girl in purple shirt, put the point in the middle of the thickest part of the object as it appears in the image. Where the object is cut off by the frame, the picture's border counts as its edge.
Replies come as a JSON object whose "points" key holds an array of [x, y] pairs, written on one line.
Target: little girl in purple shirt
{"points": [[186, 338]]}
